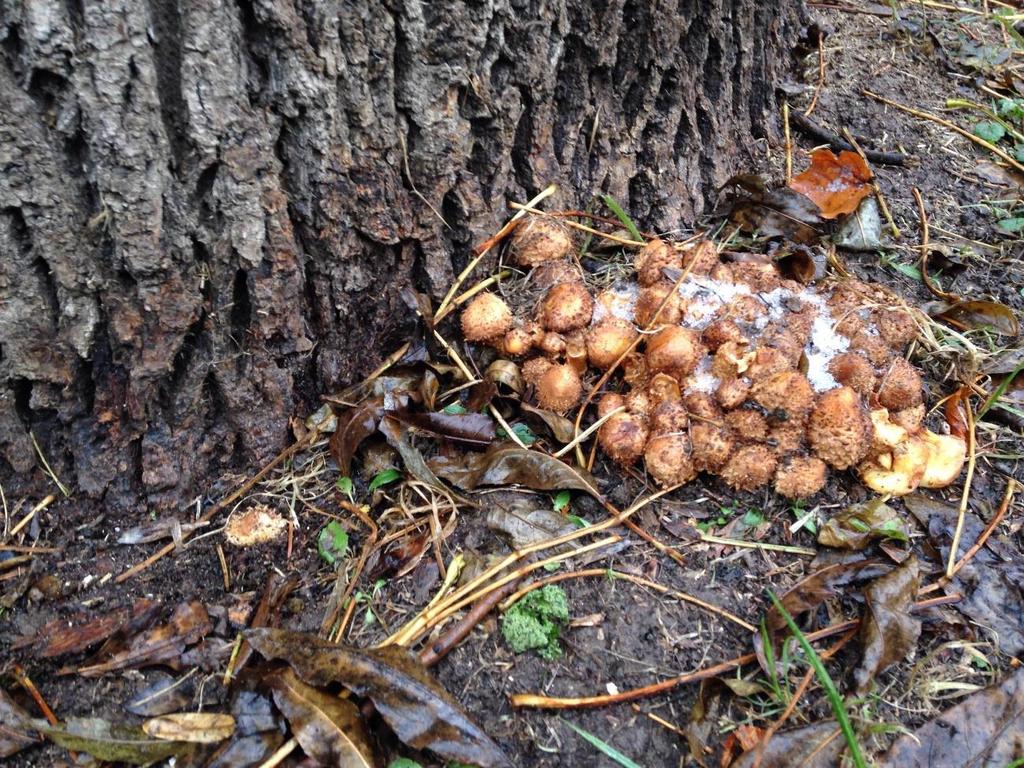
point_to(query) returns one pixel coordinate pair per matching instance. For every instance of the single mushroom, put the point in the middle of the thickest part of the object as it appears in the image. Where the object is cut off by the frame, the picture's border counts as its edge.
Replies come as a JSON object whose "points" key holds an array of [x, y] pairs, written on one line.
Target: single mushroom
{"points": [[853, 370], [896, 327], [663, 388], [732, 393], [624, 435], [749, 468], [540, 239], [486, 318], [559, 388], [900, 387], [786, 392], [609, 340], [839, 431], [653, 258], [798, 477], [566, 307], [651, 298], [674, 350], [747, 425]]}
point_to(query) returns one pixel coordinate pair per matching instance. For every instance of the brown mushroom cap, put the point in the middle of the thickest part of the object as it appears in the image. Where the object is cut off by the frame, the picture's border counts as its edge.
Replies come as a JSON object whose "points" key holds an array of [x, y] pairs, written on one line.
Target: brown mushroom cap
{"points": [[669, 416], [608, 340], [787, 436], [609, 402], [910, 419], [668, 460], [624, 435], [872, 347], [711, 445], [559, 388], [703, 406], [534, 368], [703, 256], [539, 239], [896, 327], [516, 342], [750, 467], [566, 307], [650, 299], [716, 333], [732, 393], [839, 430], [767, 361], [486, 317], [732, 359], [663, 388], [747, 425], [745, 308], [674, 350], [551, 273], [800, 476], [787, 392], [853, 370], [652, 258], [901, 386], [551, 344], [639, 402]]}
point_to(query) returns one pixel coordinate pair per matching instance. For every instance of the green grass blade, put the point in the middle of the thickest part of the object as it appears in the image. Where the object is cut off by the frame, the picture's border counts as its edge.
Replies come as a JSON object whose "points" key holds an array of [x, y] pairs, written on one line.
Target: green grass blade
{"points": [[622, 216], [999, 391], [609, 751], [834, 699]]}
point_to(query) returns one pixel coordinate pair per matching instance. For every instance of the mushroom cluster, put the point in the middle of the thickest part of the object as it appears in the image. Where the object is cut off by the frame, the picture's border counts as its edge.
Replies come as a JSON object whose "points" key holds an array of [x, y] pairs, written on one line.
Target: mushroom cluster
{"points": [[740, 372]]}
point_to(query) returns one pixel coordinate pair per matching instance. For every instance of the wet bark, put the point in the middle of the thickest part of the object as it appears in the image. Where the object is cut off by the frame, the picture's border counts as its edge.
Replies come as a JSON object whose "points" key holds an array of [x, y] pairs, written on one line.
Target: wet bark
{"points": [[208, 210]]}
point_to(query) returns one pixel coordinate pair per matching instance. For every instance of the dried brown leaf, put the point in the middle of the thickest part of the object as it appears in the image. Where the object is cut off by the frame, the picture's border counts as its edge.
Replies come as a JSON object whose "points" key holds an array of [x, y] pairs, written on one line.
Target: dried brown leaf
{"points": [[986, 730], [473, 428], [773, 213], [888, 631], [420, 711], [109, 741], [328, 728], [814, 589], [355, 425], [860, 524], [836, 183], [397, 436], [507, 464], [525, 526], [976, 314], [65, 636], [163, 695], [809, 746], [560, 427]]}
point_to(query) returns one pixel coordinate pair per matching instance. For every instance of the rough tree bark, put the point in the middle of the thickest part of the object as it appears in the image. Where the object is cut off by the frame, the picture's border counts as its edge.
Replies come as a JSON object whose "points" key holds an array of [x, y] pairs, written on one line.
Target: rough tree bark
{"points": [[208, 210]]}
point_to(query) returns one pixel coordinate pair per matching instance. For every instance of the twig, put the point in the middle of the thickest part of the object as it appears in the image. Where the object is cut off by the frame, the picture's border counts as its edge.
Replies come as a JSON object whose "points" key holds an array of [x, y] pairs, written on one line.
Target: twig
{"points": [[612, 574], [528, 208], [821, 74], [878, 190], [966, 496], [47, 468], [220, 505], [947, 124], [21, 676], [711, 539], [586, 433], [789, 141], [806, 125], [224, 568], [925, 251], [1011, 487], [485, 247], [32, 513], [546, 702], [437, 650], [282, 752]]}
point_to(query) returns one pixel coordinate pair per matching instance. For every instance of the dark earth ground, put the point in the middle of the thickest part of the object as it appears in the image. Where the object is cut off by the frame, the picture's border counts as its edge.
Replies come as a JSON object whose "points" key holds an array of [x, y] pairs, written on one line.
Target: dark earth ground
{"points": [[639, 636]]}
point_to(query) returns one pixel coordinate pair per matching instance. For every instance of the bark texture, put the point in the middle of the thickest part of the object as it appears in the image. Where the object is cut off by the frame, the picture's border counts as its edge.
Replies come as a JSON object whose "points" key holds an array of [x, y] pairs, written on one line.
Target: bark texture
{"points": [[208, 209]]}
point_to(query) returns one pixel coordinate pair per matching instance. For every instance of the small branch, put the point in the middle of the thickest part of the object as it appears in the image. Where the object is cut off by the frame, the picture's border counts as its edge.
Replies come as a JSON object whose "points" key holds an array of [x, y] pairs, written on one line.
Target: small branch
{"points": [[966, 496], [432, 654], [805, 125], [926, 250], [1011, 487], [821, 74]]}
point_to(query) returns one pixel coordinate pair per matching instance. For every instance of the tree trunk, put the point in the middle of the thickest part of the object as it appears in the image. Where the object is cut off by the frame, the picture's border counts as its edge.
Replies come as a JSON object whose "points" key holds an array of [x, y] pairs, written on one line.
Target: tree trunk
{"points": [[208, 210]]}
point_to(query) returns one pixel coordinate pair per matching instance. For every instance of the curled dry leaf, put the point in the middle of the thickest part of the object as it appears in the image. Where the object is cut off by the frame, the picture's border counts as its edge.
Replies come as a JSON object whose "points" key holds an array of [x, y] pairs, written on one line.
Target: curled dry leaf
{"points": [[328, 728], [355, 425], [79, 633], [812, 590], [507, 464], [525, 526], [860, 524], [985, 730], [782, 212], [109, 741], [976, 314], [810, 746], [191, 727], [560, 427], [420, 711], [472, 428], [836, 183], [256, 524], [397, 436], [888, 631]]}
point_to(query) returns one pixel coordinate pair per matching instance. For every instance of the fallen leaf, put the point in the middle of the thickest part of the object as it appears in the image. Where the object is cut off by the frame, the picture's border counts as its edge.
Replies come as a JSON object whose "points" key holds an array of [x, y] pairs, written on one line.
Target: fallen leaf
{"points": [[110, 741], [191, 727], [888, 632], [14, 731], [505, 373], [976, 314], [860, 524], [560, 427], [420, 711], [481, 394], [507, 464], [810, 746], [986, 730], [162, 645], [525, 526], [473, 428], [781, 212], [814, 589], [836, 183], [401, 556], [990, 584], [1006, 362], [355, 425], [64, 636], [398, 438], [328, 728]]}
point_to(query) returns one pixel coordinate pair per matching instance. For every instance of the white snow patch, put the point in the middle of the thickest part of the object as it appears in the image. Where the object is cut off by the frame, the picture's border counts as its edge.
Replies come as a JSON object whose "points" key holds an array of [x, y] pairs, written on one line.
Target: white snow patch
{"points": [[618, 300]]}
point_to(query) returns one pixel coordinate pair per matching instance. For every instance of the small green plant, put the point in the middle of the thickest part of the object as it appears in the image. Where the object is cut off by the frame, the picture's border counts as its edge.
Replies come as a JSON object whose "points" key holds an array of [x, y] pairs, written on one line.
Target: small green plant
{"points": [[332, 543], [607, 749], [723, 517], [381, 479], [831, 692], [370, 616], [622, 216], [802, 515], [345, 486], [454, 409], [404, 762], [523, 432], [535, 622], [561, 501]]}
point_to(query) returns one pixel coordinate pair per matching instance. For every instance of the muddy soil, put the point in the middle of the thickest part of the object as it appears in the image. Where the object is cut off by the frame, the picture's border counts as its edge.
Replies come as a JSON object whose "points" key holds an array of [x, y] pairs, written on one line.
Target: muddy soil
{"points": [[630, 635]]}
